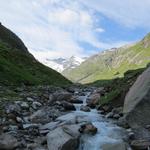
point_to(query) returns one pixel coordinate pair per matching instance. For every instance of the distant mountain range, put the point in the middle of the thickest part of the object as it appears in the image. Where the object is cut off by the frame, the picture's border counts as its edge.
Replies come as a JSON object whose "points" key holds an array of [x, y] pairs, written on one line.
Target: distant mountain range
{"points": [[112, 63], [62, 64]]}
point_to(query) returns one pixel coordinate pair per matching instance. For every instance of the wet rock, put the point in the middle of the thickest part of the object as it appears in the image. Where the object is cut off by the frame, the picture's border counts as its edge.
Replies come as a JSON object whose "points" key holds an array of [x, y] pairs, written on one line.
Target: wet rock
{"points": [[88, 128], [93, 100], [24, 105], [106, 108], [118, 110], [50, 126], [123, 122], [29, 99], [28, 126], [12, 116], [114, 146], [13, 108], [8, 142], [72, 130], [35, 146], [19, 120], [131, 135], [58, 139], [110, 115], [116, 116], [141, 133], [68, 106], [36, 105], [12, 128], [60, 96], [140, 144], [85, 108], [44, 115]]}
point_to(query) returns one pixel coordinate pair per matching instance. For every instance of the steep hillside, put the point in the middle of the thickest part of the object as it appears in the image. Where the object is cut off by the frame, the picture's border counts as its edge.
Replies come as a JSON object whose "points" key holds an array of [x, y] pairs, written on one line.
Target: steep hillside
{"points": [[112, 63], [18, 66]]}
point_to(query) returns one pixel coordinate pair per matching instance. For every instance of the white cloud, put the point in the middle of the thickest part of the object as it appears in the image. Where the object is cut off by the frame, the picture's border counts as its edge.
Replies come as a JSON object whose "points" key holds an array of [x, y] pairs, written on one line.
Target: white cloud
{"points": [[131, 13], [51, 25], [55, 28]]}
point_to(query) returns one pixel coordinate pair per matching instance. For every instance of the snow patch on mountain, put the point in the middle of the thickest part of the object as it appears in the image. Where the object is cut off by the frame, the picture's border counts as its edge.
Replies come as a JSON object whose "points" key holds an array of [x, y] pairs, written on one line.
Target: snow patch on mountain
{"points": [[61, 64]]}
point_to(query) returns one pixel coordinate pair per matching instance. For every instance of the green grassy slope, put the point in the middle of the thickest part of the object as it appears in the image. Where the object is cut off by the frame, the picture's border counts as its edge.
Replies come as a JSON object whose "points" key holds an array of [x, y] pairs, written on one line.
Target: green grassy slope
{"points": [[112, 63], [18, 66]]}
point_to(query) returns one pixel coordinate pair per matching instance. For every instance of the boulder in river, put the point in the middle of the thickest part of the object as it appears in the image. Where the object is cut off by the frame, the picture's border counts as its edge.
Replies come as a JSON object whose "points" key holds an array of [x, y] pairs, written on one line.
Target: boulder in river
{"points": [[85, 108], [137, 101], [88, 128], [59, 139], [93, 100], [68, 106]]}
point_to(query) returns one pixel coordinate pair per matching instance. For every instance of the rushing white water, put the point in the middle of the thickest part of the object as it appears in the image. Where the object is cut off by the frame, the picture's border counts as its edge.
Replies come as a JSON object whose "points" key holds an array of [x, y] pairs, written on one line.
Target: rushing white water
{"points": [[108, 133]]}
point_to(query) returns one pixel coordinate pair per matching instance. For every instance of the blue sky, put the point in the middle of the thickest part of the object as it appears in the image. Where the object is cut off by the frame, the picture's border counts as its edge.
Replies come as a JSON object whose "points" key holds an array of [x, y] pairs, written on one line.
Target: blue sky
{"points": [[62, 28]]}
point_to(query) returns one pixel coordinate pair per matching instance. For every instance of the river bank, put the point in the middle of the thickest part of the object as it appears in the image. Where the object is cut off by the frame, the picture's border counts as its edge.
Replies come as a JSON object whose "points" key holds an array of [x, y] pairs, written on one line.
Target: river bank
{"points": [[33, 119]]}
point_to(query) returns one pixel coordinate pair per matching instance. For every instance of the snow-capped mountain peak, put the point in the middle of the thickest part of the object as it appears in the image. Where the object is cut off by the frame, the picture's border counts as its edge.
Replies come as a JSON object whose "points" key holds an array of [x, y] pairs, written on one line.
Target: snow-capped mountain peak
{"points": [[61, 64]]}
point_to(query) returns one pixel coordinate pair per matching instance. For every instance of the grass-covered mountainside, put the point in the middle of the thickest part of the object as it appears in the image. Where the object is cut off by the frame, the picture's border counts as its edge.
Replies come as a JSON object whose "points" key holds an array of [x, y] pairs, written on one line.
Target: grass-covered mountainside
{"points": [[116, 89], [112, 63], [18, 66]]}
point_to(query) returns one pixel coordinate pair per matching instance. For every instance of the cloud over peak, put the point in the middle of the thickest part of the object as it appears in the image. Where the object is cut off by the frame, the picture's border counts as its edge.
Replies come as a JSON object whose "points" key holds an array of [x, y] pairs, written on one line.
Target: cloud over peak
{"points": [[60, 28]]}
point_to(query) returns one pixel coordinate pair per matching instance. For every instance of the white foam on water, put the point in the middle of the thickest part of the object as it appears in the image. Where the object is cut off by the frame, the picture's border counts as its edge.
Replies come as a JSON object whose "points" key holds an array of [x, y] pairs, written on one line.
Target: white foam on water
{"points": [[108, 133]]}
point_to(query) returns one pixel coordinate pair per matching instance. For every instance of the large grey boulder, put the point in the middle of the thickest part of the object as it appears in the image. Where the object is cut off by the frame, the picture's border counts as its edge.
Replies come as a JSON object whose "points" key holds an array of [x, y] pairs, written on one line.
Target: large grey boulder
{"points": [[63, 138], [137, 101], [8, 142]]}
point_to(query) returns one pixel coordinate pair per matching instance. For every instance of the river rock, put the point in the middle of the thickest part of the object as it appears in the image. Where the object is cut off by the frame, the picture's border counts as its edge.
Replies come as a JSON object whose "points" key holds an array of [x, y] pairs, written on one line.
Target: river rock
{"points": [[85, 108], [68, 106], [50, 126], [13, 108], [29, 99], [116, 116], [75, 100], [93, 100], [105, 108], [44, 115], [19, 120], [122, 122], [114, 146], [24, 105], [137, 101], [36, 105], [8, 142], [60, 96], [110, 115], [88, 128], [72, 130], [58, 139], [140, 144]]}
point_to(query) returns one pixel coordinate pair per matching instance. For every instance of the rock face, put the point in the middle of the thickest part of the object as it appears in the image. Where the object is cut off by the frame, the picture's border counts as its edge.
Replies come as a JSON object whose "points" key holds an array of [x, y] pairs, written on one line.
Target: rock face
{"points": [[137, 101]]}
